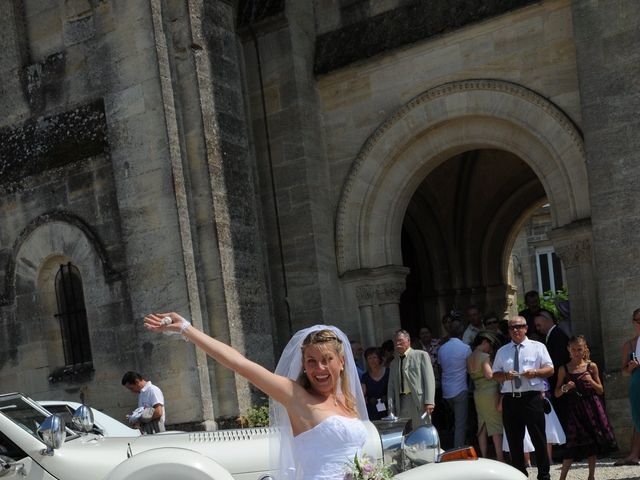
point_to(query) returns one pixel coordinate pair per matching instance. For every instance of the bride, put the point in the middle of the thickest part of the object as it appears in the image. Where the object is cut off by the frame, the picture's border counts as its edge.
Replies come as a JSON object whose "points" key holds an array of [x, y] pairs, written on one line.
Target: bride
{"points": [[315, 396]]}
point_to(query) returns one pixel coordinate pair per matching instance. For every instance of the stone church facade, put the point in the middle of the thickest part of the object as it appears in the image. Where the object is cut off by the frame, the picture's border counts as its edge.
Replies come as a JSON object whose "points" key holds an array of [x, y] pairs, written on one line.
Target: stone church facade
{"points": [[262, 166]]}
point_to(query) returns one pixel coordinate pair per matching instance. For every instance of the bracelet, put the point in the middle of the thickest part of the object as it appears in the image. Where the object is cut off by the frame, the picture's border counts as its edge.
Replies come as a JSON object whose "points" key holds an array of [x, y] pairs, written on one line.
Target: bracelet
{"points": [[535, 372], [564, 388], [185, 324], [183, 327]]}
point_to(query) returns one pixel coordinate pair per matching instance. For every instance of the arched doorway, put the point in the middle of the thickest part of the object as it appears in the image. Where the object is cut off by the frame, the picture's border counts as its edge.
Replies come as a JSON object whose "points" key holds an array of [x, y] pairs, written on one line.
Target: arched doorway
{"points": [[452, 124], [455, 233]]}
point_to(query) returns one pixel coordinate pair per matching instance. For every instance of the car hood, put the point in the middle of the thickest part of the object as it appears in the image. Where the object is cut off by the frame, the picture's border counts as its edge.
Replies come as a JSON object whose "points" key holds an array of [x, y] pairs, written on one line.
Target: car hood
{"points": [[239, 451], [93, 456]]}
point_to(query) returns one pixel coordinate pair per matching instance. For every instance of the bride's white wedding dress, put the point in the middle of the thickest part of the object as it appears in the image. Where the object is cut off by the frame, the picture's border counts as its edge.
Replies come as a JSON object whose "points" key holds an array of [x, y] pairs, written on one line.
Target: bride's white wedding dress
{"points": [[325, 451]]}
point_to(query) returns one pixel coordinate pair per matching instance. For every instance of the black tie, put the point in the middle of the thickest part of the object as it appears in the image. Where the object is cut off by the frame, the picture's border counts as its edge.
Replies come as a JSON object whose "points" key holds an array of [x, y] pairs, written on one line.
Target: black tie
{"points": [[516, 366], [401, 374]]}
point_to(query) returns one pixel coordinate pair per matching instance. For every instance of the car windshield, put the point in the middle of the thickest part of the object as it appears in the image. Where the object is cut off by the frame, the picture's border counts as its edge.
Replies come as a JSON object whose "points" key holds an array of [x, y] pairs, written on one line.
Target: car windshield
{"points": [[24, 413]]}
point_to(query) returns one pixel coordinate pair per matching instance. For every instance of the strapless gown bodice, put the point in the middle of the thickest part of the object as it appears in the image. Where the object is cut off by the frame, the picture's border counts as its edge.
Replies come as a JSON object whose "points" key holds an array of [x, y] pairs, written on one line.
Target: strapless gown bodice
{"points": [[324, 451]]}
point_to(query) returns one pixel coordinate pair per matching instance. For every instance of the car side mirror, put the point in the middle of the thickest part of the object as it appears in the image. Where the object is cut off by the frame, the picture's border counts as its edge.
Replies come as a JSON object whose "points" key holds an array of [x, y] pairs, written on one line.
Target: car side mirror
{"points": [[82, 419], [52, 433]]}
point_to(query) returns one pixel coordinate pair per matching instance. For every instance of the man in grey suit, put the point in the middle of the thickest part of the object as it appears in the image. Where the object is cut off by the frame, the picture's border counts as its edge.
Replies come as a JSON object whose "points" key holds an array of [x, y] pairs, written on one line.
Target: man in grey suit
{"points": [[412, 384]]}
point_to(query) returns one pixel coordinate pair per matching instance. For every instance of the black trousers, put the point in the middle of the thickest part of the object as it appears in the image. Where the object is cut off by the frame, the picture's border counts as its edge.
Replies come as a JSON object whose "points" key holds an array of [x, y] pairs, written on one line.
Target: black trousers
{"points": [[518, 413]]}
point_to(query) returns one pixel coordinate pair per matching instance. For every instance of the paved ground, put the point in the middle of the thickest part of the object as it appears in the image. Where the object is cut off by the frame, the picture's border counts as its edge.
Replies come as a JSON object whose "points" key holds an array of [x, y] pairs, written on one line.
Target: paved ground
{"points": [[604, 471]]}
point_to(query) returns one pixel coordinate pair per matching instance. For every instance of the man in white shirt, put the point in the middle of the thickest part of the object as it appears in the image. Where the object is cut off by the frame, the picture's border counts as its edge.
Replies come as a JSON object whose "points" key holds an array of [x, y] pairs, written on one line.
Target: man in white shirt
{"points": [[475, 324], [149, 396], [452, 357], [521, 365]]}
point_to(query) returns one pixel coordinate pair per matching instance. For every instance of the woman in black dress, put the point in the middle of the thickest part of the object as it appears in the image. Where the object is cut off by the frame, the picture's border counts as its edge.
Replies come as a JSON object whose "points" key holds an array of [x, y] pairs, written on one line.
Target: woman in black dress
{"points": [[374, 384]]}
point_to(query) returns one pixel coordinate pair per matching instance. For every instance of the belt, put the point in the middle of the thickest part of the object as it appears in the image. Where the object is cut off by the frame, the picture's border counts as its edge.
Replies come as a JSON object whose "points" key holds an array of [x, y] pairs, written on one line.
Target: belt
{"points": [[526, 394], [405, 394]]}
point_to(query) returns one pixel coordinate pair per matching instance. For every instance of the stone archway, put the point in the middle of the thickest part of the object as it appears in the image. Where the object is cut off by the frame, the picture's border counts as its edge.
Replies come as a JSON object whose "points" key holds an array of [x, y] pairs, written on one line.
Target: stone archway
{"points": [[42, 247], [438, 124]]}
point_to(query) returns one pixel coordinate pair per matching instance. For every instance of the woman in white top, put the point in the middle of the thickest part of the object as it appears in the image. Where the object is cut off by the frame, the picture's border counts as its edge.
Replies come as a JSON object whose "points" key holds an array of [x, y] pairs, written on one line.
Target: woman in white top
{"points": [[316, 398]]}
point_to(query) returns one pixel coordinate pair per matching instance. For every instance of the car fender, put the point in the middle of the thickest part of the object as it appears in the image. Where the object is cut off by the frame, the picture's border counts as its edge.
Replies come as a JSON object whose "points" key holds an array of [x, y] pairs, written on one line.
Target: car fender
{"points": [[480, 469], [169, 464]]}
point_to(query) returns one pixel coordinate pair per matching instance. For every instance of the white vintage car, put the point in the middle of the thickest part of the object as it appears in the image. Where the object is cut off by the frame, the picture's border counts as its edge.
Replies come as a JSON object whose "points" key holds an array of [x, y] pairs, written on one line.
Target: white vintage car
{"points": [[37, 445]]}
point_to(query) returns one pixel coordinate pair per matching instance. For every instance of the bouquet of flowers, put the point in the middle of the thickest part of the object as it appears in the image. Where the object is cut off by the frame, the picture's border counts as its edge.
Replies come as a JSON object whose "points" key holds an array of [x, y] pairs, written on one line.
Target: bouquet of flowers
{"points": [[364, 468]]}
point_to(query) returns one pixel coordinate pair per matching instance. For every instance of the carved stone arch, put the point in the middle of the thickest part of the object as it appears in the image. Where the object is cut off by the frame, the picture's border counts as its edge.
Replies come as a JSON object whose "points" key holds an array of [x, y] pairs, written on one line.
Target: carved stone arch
{"points": [[434, 126], [504, 227], [43, 246], [63, 218]]}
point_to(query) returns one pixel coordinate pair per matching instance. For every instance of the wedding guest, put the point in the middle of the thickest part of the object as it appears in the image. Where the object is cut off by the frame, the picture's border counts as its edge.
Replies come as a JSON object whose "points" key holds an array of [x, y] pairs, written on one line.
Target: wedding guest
{"points": [[521, 366], [630, 358], [374, 384], [387, 350], [474, 319], [149, 396], [486, 394], [411, 382], [532, 302], [356, 348], [452, 357], [588, 430], [429, 344], [493, 324], [553, 431]]}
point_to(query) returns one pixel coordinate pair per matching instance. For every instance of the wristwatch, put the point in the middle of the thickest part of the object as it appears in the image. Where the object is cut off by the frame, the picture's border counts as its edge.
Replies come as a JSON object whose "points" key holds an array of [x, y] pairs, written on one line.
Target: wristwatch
{"points": [[564, 388]]}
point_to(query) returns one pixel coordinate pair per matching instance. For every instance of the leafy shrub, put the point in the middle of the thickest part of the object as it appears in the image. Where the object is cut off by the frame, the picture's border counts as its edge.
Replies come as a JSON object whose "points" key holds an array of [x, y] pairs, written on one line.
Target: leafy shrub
{"points": [[548, 301], [257, 416]]}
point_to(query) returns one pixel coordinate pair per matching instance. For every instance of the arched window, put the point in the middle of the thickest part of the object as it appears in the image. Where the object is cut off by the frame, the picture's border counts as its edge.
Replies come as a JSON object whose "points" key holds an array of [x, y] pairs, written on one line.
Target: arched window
{"points": [[72, 315]]}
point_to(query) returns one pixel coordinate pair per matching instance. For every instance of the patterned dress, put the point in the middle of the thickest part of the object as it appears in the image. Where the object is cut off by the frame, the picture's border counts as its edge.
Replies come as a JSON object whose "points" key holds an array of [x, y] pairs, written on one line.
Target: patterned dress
{"points": [[588, 429]]}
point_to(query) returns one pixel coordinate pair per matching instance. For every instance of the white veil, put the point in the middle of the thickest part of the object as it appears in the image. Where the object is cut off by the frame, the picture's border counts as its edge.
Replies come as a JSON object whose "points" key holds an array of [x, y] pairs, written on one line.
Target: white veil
{"points": [[290, 366]]}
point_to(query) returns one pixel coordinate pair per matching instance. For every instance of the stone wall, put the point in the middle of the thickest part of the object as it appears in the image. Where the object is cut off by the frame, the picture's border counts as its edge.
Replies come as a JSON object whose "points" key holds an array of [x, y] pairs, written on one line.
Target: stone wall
{"points": [[125, 151], [607, 38], [357, 30], [531, 47]]}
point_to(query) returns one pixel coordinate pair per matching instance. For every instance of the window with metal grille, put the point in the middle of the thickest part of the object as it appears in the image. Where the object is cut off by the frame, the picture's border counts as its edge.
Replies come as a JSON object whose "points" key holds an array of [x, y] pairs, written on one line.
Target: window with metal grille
{"points": [[72, 315]]}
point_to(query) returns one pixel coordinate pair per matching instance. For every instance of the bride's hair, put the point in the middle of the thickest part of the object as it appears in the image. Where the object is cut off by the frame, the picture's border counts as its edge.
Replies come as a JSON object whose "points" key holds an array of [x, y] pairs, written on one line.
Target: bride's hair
{"points": [[328, 339]]}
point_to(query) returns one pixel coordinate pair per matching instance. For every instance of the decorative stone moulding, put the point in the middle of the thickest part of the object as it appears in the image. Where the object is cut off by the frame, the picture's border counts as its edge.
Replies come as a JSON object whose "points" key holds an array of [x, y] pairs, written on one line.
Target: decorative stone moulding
{"points": [[378, 185]]}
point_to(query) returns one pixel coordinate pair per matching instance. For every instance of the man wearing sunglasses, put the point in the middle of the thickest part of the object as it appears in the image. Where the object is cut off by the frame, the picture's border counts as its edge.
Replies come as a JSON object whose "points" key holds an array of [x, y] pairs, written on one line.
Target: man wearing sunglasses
{"points": [[521, 365]]}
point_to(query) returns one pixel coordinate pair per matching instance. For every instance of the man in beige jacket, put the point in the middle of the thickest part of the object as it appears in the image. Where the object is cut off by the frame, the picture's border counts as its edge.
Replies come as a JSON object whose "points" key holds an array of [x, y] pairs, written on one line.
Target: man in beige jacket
{"points": [[412, 384]]}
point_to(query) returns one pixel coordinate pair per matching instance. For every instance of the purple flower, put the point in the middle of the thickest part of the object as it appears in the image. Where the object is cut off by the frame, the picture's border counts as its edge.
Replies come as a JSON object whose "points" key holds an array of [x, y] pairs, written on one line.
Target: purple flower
{"points": [[367, 468]]}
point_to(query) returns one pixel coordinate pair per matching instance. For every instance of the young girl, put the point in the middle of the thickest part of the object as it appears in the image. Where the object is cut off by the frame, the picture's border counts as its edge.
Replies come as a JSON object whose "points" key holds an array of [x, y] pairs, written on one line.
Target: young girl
{"points": [[588, 430]]}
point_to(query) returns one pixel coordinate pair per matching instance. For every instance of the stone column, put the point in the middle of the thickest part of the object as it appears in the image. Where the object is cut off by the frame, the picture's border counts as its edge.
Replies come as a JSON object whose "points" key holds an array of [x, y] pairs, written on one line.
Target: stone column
{"points": [[366, 325], [607, 35], [378, 293], [389, 300], [572, 244], [496, 299]]}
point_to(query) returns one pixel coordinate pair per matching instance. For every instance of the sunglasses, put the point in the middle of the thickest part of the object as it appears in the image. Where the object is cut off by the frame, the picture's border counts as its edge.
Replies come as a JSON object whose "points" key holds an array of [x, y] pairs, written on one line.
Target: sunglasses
{"points": [[518, 327], [491, 322]]}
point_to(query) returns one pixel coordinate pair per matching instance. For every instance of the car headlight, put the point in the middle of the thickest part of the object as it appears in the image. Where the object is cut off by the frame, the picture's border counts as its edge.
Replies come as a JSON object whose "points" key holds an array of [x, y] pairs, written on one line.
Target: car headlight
{"points": [[53, 433], [422, 445], [83, 419]]}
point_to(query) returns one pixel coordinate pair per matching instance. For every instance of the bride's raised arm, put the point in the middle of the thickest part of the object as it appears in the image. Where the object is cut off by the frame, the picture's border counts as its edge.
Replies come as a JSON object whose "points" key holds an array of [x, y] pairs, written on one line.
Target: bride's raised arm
{"points": [[279, 388]]}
